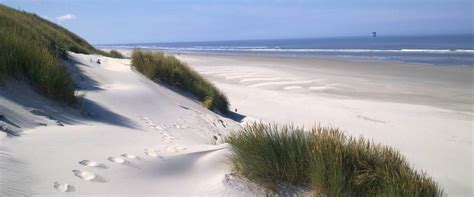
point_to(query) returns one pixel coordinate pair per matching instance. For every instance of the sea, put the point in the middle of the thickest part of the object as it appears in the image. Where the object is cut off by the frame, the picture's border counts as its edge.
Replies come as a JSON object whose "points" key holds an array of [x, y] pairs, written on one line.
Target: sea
{"points": [[444, 50]]}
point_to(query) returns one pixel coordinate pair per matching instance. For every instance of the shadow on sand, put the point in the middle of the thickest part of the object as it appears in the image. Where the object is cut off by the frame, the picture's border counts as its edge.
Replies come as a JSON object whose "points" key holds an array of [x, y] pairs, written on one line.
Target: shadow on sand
{"points": [[81, 80], [34, 105], [234, 116]]}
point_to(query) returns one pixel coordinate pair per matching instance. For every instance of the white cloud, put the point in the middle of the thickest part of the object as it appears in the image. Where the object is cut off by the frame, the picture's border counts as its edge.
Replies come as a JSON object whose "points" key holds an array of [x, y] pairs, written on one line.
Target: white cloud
{"points": [[66, 17]]}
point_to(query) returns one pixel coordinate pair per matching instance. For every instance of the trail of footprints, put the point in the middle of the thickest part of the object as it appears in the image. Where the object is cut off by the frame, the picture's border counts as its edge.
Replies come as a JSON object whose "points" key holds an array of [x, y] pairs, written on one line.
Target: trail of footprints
{"points": [[126, 159]]}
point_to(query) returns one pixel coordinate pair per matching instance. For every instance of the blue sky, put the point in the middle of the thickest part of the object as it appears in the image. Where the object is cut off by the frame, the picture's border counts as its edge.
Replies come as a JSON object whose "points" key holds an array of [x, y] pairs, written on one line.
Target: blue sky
{"points": [[138, 21]]}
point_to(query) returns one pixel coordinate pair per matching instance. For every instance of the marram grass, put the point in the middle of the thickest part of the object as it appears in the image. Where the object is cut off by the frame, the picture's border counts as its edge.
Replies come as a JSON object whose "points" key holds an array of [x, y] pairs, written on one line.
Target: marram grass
{"points": [[31, 48], [116, 54], [168, 69], [326, 161]]}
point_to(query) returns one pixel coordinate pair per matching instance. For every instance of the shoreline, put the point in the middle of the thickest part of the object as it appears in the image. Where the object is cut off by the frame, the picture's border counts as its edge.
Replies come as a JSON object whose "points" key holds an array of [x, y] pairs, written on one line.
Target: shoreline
{"points": [[340, 58], [343, 58], [365, 55]]}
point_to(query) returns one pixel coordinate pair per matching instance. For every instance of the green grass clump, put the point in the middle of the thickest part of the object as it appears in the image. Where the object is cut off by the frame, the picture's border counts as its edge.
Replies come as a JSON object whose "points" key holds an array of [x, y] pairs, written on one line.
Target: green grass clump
{"points": [[42, 31], [31, 47], [18, 56], [170, 70], [116, 54], [269, 154], [326, 161]]}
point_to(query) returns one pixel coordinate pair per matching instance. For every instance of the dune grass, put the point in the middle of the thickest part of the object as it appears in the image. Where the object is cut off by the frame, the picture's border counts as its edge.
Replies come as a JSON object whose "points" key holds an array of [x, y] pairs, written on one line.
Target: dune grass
{"points": [[326, 161], [31, 48], [168, 69], [116, 54], [21, 58]]}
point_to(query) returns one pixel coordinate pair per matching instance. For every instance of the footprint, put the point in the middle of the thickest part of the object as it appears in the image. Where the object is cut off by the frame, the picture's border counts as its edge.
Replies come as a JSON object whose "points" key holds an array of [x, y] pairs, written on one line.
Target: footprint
{"points": [[117, 160], [158, 127], [152, 153], [89, 176], [63, 187], [217, 137], [130, 156], [168, 139], [180, 126], [175, 149], [90, 163], [171, 137], [150, 150], [222, 123], [171, 149], [180, 148]]}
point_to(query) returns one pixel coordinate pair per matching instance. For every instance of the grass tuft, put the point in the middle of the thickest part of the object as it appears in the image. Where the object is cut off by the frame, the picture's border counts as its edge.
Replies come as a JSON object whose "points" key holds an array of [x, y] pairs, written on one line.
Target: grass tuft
{"points": [[31, 47], [326, 161], [116, 54], [170, 70]]}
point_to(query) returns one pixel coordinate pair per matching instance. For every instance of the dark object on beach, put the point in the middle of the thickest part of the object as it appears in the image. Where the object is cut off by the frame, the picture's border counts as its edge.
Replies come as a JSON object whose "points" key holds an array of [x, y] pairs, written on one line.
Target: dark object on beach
{"points": [[235, 109], [374, 34], [59, 123], [98, 61]]}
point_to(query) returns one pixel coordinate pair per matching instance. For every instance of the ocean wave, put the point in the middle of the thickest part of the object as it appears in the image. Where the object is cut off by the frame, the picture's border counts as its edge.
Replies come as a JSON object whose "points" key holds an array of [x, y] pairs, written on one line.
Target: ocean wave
{"points": [[292, 50], [283, 50]]}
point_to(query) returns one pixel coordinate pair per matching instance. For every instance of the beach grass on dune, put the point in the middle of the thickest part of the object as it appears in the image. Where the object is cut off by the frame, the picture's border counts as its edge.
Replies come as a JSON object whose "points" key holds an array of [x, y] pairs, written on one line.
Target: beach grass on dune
{"points": [[116, 54], [21, 58], [326, 161], [168, 69], [31, 48]]}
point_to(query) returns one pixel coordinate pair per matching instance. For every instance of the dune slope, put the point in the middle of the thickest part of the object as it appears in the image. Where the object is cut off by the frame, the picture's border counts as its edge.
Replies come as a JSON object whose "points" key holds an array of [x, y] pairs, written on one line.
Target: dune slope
{"points": [[133, 137]]}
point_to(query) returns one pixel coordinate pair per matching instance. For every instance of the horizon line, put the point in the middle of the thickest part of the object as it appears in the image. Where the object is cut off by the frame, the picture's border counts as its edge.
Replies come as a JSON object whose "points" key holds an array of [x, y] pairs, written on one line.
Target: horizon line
{"points": [[289, 38]]}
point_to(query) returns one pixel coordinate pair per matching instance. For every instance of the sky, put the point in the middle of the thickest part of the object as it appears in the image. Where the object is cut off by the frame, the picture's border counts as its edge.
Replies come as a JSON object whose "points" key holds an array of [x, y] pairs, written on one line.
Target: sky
{"points": [[146, 21]]}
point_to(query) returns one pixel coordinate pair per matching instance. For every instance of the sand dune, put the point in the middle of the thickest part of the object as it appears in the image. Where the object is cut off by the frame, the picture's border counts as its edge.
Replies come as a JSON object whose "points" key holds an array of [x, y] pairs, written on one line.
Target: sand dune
{"points": [[134, 137]]}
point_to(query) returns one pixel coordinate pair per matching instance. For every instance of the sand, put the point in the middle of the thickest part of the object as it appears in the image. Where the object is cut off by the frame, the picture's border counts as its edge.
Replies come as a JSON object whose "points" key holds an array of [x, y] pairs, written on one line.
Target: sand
{"points": [[132, 138], [424, 111]]}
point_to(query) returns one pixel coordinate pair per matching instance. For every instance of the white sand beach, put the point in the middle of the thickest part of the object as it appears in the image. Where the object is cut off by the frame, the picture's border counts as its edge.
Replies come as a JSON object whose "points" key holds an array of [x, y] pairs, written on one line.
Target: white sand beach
{"points": [[236, 98], [424, 111], [138, 138]]}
